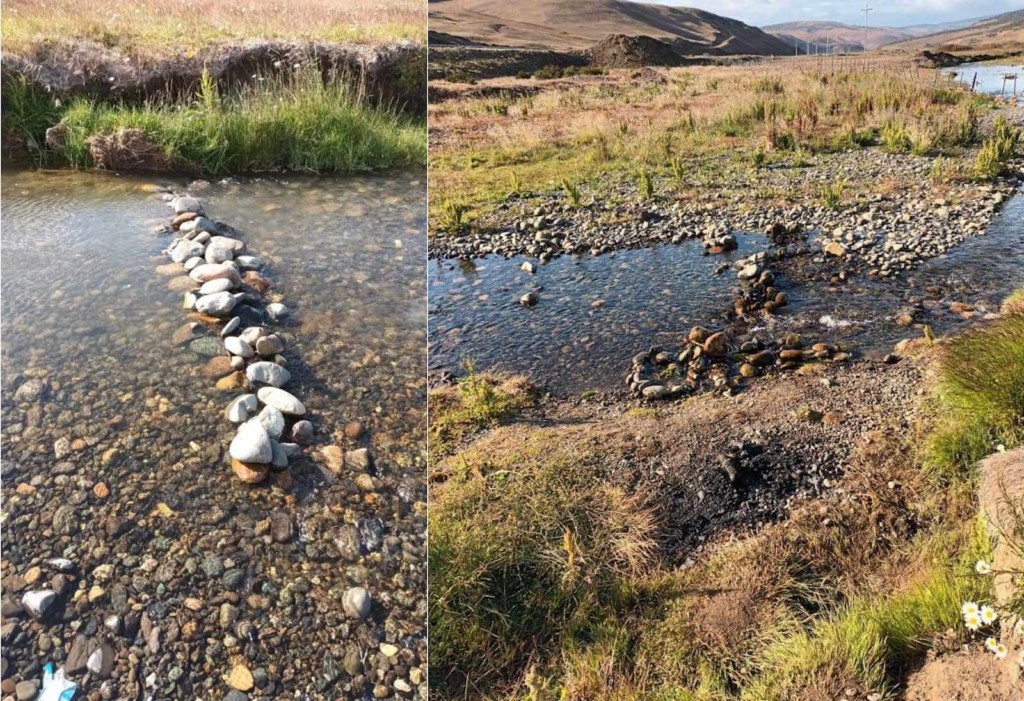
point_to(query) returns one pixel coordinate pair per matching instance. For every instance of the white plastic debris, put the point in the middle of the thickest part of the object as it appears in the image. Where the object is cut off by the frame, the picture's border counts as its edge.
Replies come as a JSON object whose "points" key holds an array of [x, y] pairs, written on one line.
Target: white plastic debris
{"points": [[55, 686]]}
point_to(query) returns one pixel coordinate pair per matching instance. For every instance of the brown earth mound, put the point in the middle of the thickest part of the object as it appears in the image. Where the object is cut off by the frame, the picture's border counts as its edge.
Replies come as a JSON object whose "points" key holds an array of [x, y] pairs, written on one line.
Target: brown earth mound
{"points": [[966, 676], [127, 150], [621, 51]]}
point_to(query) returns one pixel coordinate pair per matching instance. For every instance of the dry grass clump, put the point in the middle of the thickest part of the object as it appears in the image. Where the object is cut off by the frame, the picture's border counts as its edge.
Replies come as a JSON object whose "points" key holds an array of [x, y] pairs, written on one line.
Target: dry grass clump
{"points": [[531, 552], [595, 126], [545, 579], [155, 27]]}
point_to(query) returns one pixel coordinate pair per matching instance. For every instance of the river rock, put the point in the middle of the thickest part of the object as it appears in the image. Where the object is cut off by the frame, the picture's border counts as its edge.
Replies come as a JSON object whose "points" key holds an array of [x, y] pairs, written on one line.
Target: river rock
{"points": [[170, 269], [249, 473], [237, 247], [251, 444], [186, 249], [214, 286], [38, 603], [291, 449], [217, 367], [302, 432], [249, 262], [529, 299], [182, 283], [185, 203], [268, 373], [218, 253], [272, 420], [186, 333], [834, 248], [240, 678], [230, 327], [280, 457], [31, 391], [217, 304], [256, 281], [192, 263], [279, 399], [716, 345], [237, 346], [356, 602], [26, 690], [277, 311], [235, 380], [252, 334], [241, 408], [269, 346], [101, 661], [206, 346], [749, 271], [698, 334], [204, 224], [180, 219], [214, 271]]}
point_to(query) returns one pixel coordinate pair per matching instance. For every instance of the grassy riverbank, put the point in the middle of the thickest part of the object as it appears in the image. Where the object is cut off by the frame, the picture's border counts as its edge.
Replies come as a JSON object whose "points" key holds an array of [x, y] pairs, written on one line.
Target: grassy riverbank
{"points": [[551, 578], [151, 29], [214, 88], [295, 123], [686, 132]]}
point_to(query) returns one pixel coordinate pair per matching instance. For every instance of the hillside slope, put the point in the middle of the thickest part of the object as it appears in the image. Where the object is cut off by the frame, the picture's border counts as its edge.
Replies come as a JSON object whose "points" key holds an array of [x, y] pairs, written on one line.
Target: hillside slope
{"points": [[1004, 33], [848, 37], [557, 25]]}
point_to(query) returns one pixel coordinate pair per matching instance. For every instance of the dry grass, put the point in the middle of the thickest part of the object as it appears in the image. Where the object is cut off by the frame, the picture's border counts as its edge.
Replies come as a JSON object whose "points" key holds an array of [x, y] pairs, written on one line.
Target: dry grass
{"points": [[712, 119], [162, 26]]}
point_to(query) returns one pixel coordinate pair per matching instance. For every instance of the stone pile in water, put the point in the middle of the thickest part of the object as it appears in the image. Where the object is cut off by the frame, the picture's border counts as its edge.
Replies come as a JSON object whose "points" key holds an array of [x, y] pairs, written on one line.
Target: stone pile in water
{"points": [[226, 295], [723, 360], [716, 361]]}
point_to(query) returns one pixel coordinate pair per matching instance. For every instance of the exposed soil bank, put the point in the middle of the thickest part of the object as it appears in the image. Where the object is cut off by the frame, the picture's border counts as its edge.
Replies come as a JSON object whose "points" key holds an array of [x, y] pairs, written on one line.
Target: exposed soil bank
{"points": [[390, 74], [377, 86]]}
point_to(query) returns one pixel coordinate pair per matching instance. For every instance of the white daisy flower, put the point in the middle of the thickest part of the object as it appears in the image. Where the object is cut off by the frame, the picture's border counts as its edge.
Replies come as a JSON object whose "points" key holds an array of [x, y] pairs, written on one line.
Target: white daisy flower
{"points": [[1001, 652], [982, 567], [968, 607], [1018, 628], [972, 621], [988, 615], [991, 644]]}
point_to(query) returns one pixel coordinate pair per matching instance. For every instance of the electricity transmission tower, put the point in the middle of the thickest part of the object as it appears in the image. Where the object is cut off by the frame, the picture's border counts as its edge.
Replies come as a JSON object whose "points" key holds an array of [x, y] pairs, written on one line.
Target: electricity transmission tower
{"points": [[866, 9]]}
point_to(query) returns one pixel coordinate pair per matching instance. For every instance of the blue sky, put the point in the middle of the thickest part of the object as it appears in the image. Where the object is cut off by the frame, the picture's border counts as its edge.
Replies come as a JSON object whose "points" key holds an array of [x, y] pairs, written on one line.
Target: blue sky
{"points": [[892, 13]]}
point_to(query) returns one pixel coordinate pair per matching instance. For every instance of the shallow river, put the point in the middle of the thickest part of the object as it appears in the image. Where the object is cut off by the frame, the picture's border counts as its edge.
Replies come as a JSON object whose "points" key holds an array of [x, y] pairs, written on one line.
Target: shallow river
{"points": [[83, 307], [651, 295], [991, 79]]}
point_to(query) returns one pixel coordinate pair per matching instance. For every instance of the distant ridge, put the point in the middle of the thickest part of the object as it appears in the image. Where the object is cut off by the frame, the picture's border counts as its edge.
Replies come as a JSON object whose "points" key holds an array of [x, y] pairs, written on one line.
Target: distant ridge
{"points": [[579, 24], [1003, 33]]}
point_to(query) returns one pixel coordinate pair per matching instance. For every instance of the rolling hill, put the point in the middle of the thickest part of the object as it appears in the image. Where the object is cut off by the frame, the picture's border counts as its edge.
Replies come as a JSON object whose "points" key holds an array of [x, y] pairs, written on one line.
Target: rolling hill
{"points": [[1002, 33], [846, 37], [563, 26]]}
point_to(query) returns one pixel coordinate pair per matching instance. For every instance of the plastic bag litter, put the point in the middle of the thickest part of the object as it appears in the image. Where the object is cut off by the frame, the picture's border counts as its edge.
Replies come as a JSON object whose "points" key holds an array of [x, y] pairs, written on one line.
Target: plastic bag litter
{"points": [[55, 686]]}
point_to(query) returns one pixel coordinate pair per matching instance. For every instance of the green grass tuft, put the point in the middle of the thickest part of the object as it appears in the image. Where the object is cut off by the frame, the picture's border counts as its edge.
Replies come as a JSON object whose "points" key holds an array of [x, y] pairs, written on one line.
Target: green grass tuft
{"points": [[980, 397], [527, 552], [299, 124]]}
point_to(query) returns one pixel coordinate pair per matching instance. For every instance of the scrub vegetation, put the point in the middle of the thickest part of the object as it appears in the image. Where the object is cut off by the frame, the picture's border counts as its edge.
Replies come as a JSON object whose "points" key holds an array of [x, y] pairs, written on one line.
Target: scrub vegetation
{"points": [[550, 579], [711, 123], [153, 28]]}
